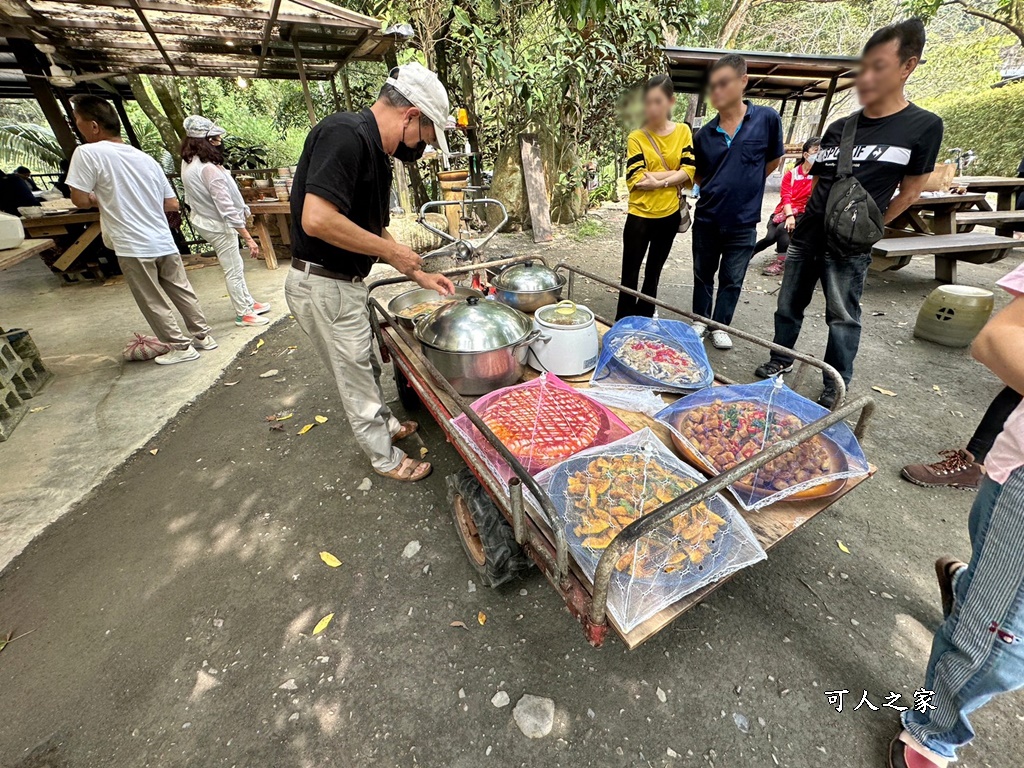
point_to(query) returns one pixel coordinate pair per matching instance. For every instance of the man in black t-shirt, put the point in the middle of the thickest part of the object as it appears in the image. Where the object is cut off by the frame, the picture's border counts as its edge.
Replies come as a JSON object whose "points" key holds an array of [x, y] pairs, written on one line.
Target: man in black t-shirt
{"points": [[340, 203], [895, 145]]}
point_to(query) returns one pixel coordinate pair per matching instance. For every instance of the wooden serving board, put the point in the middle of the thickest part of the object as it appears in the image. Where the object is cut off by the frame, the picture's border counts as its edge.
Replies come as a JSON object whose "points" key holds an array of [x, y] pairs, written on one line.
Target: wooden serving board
{"points": [[771, 525]]}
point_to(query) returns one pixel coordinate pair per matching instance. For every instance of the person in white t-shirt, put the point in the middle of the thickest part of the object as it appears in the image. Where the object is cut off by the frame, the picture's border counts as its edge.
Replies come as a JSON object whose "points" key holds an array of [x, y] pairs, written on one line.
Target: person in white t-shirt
{"points": [[134, 196]]}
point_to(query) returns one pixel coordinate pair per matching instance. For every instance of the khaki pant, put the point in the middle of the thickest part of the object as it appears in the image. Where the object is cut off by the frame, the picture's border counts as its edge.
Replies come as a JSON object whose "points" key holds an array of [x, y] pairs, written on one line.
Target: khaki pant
{"points": [[334, 315], [159, 286]]}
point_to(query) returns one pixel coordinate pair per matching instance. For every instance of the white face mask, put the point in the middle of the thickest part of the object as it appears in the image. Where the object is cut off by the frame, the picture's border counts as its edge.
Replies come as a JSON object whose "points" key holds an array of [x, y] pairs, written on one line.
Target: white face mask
{"points": [[811, 158]]}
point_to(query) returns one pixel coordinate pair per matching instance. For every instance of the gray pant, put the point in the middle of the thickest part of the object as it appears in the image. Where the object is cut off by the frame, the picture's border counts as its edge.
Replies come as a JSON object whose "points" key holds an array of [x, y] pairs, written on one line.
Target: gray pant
{"points": [[334, 315], [159, 286], [225, 242]]}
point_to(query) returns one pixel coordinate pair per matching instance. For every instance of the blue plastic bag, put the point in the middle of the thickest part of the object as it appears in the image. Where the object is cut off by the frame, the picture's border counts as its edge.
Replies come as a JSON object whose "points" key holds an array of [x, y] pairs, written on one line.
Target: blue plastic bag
{"points": [[718, 428], [650, 353]]}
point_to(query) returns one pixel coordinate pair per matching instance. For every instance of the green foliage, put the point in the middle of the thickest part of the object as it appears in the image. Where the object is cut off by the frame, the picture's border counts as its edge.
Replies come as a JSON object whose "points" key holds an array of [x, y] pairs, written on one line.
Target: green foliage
{"points": [[989, 122], [31, 145], [587, 228]]}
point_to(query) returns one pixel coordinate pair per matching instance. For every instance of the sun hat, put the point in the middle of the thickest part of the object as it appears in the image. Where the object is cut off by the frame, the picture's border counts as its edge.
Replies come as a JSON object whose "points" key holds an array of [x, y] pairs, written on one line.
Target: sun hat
{"points": [[422, 87], [199, 127]]}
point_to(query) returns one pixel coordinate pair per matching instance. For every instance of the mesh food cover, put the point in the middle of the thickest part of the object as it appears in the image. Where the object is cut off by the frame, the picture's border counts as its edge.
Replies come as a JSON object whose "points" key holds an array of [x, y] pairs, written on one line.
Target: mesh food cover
{"points": [[541, 422], [600, 491], [644, 352], [718, 428]]}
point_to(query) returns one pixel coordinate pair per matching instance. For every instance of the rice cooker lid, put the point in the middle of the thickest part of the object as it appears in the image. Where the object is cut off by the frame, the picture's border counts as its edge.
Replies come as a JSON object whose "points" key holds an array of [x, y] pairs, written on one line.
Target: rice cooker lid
{"points": [[565, 314]]}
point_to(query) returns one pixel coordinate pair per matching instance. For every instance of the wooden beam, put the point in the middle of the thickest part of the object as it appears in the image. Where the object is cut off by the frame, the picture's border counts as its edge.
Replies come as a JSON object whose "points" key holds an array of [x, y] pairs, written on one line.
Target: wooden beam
{"points": [[305, 85], [827, 104], [129, 130], [267, 29], [792, 121], [156, 40], [28, 57]]}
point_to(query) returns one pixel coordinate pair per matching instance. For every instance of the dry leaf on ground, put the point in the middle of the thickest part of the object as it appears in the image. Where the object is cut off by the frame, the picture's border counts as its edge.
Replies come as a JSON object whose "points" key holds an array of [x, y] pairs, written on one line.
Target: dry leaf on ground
{"points": [[887, 392], [268, 374], [320, 419], [230, 383], [482, 618], [460, 624], [842, 547], [322, 624], [38, 408], [306, 429], [260, 343], [330, 559], [155, 451]]}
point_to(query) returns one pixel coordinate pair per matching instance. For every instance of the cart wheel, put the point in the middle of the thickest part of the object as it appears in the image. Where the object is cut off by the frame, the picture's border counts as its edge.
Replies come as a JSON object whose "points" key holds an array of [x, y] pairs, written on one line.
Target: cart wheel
{"points": [[484, 532], [406, 394]]}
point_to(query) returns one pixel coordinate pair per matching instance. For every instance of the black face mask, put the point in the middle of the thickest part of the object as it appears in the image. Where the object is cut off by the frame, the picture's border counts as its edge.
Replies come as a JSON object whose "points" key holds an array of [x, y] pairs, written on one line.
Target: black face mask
{"points": [[408, 154]]}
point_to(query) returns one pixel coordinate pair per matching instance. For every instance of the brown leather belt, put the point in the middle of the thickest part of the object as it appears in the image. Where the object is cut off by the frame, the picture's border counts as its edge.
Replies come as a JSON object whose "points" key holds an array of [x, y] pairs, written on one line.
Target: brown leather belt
{"points": [[316, 269]]}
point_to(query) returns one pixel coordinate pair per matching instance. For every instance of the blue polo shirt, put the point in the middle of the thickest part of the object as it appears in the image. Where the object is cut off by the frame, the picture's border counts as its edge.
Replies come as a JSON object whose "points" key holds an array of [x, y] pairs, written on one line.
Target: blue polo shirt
{"points": [[731, 168]]}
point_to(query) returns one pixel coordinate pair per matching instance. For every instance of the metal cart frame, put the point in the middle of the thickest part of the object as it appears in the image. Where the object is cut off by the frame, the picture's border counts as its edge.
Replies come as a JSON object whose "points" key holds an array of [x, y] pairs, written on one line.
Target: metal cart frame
{"points": [[552, 557]]}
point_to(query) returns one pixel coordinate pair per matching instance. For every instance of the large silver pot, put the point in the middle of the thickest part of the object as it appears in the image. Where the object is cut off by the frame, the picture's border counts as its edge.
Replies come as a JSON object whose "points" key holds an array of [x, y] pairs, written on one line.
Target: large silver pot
{"points": [[528, 286], [477, 345], [403, 301]]}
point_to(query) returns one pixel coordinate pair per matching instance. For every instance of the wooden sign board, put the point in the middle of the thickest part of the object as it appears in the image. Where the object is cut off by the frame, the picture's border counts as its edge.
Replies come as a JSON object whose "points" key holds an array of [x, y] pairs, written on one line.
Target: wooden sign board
{"points": [[536, 189]]}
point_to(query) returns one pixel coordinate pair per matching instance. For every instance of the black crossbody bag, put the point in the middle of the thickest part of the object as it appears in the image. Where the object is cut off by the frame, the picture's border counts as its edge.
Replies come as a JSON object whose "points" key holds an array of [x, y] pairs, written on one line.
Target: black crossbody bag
{"points": [[853, 223]]}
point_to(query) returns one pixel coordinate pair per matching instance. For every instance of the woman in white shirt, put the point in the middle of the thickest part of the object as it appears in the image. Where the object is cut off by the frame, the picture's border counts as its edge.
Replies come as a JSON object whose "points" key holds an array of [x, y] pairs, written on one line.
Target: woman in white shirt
{"points": [[218, 212]]}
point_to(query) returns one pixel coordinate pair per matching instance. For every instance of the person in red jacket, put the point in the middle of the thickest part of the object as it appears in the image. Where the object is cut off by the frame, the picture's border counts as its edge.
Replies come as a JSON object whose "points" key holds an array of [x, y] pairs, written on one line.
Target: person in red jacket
{"points": [[797, 184]]}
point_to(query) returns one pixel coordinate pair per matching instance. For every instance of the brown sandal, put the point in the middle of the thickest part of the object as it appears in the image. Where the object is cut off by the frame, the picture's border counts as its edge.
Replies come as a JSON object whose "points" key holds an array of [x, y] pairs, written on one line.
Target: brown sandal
{"points": [[408, 428], [409, 471]]}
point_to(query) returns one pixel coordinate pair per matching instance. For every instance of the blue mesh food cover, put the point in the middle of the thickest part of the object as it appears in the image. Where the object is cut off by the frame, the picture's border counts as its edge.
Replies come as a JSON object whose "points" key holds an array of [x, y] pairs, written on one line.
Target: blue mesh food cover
{"points": [[650, 353], [601, 490], [720, 427]]}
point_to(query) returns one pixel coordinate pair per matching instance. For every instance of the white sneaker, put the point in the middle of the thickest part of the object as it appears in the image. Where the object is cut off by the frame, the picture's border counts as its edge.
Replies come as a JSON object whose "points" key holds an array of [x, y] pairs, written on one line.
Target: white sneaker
{"points": [[207, 343], [700, 329], [178, 356], [721, 340], [260, 308], [250, 318]]}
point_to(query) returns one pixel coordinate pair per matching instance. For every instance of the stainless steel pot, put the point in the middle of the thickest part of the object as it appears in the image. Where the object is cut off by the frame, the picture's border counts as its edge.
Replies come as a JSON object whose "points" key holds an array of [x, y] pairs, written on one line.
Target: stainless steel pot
{"points": [[478, 345], [418, 296], [528, 286]]}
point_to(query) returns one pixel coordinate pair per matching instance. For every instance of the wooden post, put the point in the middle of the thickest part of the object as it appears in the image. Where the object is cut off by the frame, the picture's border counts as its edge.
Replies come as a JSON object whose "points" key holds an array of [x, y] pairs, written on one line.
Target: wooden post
{"points": [[346, 88], [129, 131], [827, 104], [334, 95], [28, 58], [792, 121], [305, 85]]}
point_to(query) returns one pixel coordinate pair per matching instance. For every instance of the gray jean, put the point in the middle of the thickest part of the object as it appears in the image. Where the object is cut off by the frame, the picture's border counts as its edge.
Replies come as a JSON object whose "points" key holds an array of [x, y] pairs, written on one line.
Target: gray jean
{"points": [[159, 286], [334, 315]]}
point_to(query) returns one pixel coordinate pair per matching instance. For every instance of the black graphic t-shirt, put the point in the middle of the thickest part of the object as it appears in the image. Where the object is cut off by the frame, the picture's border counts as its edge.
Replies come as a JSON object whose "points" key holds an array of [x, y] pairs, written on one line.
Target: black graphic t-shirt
{"points": [[885, 149]]}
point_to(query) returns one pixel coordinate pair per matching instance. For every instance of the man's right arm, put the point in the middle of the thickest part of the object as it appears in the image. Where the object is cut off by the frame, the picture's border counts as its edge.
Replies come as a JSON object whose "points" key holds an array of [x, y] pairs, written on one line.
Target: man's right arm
{"points": [[322, 220]]}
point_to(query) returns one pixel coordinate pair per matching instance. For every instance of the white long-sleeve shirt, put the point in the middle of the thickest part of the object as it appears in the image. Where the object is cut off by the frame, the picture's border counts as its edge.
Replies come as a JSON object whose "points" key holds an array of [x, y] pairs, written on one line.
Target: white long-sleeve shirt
{"points": [[213, 195]]}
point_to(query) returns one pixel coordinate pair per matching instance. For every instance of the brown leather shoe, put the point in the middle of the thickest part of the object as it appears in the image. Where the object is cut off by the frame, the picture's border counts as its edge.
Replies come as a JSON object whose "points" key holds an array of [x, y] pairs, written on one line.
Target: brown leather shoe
{"points": [[945, 570], [957, 470]]}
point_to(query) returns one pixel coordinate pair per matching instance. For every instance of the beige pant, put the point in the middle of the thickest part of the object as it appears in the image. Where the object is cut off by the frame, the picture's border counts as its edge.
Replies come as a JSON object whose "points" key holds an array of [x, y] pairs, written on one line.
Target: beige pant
{"points": [[334, 315], [159, 286], [225, 242]]}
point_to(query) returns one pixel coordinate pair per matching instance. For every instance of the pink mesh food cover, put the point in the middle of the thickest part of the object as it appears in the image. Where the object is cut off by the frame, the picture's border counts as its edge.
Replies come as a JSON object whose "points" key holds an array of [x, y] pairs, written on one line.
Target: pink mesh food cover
{"points": [[542, 422]]}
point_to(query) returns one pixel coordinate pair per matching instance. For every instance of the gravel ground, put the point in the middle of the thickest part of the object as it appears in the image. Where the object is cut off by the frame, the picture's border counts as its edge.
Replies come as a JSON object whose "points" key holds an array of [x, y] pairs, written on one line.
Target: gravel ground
{"points": [[171, 613]]}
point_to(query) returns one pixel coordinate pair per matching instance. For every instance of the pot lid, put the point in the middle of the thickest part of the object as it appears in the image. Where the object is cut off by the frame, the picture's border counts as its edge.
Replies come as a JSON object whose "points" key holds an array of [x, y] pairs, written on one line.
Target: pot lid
{"points": [[528, 276], [564, 313], [473, 325]]}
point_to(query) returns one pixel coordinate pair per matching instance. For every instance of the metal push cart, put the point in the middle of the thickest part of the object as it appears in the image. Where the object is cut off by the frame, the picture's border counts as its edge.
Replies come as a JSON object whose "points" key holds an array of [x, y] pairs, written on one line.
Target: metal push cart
{"points": [[545, 544]]}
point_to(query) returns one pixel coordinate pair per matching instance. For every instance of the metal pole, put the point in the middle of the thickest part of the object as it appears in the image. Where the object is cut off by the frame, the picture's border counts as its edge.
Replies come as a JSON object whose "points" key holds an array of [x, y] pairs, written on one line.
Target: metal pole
{"points": [[827, 104], [305, 85], [792, 121]]}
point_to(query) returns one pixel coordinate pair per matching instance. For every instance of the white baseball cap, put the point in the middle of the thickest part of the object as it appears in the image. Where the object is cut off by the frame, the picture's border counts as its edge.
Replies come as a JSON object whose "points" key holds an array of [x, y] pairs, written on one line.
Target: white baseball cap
{"points": [[199, 127], [422, 87]]}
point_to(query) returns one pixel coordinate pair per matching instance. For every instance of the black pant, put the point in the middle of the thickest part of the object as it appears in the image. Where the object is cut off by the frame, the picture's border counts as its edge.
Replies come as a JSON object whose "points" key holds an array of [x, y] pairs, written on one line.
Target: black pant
{"points": [[726, 251], [778, 234], [992, 423], [644, 237]]}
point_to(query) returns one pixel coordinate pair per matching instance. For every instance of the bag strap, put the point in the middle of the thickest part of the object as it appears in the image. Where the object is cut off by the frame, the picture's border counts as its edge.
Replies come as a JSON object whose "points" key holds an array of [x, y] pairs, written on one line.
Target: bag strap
{"points": [[656, 150], [845, 167]]}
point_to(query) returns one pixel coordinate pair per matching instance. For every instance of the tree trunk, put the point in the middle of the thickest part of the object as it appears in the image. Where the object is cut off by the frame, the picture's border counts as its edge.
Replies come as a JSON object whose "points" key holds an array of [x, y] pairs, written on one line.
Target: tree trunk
{"points": [[166, 89], [163, 125], [734, 21]]}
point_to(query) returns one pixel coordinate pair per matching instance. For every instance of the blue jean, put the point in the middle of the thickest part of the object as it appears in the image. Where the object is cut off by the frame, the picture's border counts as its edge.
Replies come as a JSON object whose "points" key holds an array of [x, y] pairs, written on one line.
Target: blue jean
{"points": [[726, 251], [977, 653], [842, 278]]}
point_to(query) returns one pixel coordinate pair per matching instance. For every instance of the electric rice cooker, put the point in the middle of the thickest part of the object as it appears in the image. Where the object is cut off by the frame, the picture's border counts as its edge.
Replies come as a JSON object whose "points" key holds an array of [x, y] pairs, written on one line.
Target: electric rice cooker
{"points": [[568, 343]]}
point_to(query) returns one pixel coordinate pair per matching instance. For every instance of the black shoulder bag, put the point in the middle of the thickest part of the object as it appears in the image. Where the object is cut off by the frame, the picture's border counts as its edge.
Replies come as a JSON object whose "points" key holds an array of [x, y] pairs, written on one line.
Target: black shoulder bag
{"points": [[853, 223]]}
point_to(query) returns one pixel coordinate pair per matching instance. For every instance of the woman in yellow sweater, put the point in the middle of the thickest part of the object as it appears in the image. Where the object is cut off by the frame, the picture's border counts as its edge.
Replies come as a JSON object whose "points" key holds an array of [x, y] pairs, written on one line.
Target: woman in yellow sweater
{"points": [[659, 166]]}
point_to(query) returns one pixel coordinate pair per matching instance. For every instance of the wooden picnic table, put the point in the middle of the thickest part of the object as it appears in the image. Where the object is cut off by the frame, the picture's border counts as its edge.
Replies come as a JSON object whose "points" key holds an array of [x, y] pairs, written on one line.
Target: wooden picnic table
{"points": [[943, 209], [261, 213], [57, 224], [1006, 188], [28, 249]]}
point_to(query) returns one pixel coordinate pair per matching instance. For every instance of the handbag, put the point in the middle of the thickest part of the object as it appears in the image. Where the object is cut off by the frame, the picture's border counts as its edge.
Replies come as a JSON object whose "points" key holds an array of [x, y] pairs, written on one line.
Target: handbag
{"points": [[853, 223], [685, 220]]}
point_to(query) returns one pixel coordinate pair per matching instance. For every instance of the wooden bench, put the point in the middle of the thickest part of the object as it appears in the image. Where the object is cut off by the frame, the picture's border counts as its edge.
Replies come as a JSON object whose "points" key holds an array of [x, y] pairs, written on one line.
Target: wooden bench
{"points": [[892, 253], [1005, 222]]}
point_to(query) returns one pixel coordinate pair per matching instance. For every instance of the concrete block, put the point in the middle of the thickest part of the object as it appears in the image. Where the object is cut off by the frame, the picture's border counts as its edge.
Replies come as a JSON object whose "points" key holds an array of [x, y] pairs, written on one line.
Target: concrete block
{"points": [[31, 375], [12, 410], [10, 361]]}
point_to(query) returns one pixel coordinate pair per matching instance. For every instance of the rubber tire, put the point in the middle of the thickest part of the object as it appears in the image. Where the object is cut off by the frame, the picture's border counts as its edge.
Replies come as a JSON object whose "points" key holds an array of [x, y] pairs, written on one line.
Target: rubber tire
{"points": [[492, 551], [406, 394]]}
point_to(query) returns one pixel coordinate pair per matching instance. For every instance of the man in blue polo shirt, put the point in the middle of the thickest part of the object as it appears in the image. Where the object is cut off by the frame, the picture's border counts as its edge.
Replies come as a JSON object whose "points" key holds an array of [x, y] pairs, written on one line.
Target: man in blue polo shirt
{"points": [[735, 153]]}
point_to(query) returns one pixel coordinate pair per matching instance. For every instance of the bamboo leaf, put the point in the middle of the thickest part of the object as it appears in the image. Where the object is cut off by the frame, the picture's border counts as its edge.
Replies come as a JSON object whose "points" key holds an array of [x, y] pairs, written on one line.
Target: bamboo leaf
{"points": [[322, 624]]}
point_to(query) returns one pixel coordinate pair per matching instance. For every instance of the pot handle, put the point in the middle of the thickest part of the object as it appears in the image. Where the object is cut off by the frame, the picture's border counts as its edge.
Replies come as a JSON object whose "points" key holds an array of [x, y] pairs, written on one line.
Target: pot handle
{"points": [[531, 337]]}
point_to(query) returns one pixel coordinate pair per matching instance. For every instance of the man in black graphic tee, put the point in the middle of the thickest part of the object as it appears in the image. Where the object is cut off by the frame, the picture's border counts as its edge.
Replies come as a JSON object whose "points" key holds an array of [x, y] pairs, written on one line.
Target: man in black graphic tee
{"points": [[895, 146]]}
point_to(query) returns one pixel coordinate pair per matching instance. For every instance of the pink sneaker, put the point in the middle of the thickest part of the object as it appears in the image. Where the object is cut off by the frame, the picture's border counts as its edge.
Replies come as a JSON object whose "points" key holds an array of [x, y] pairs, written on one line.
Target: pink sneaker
{"points": [[250, 319], [775, 268], [260, 309]]}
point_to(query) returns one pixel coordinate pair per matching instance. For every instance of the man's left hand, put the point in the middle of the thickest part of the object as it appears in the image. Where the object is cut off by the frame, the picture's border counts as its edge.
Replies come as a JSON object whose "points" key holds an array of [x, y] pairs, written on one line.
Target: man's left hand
{"points": [[434, 282]]}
